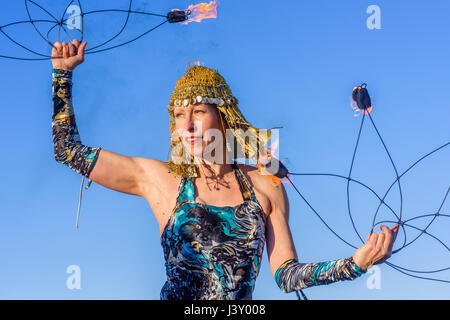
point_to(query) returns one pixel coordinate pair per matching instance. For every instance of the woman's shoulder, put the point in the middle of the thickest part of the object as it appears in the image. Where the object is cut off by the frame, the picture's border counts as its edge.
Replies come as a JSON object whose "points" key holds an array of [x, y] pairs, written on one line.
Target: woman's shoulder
{"points": [[257, 178], [249, 171]]}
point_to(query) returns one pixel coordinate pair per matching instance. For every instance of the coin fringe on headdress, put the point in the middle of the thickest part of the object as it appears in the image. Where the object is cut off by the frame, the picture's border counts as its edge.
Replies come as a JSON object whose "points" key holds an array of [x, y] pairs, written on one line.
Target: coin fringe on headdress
{"points": [[201, 84]]}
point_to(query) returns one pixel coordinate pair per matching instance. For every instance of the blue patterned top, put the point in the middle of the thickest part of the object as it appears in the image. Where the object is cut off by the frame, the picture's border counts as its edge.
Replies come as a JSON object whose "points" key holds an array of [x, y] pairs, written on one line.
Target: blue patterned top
{"points": [[213, 252]]}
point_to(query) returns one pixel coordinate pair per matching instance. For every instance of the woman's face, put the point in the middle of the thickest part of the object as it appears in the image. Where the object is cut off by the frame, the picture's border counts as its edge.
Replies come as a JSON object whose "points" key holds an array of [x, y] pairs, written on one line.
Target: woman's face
{"points": [[194, 124]]}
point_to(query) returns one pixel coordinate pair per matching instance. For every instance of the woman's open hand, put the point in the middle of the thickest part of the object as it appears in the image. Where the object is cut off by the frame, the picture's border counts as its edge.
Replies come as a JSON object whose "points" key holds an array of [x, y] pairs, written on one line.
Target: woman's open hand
{"points": [[377, 249], [68, 56]]}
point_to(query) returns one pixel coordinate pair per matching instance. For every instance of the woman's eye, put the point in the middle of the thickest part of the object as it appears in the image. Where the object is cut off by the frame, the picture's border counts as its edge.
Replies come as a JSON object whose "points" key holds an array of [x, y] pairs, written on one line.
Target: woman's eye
{"points": [[197, 111]]}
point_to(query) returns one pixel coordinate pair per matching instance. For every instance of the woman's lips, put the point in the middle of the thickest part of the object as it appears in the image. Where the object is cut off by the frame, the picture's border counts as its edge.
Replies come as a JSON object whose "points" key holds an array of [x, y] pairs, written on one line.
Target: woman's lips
{"points": [[193, 140]]}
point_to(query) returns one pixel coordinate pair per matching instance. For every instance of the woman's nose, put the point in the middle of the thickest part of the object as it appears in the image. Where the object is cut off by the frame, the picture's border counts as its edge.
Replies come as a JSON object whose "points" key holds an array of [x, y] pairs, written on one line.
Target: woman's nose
{"points": [[189, 124], [192, 124]]}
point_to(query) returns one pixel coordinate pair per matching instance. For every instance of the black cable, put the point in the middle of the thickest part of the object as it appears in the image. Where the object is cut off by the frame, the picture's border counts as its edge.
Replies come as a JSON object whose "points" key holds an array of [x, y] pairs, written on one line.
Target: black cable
{"points": [[403, 224], [318, 215], [172, 17], [395, 169], [128, 42], [120, 32], [349, 176]]}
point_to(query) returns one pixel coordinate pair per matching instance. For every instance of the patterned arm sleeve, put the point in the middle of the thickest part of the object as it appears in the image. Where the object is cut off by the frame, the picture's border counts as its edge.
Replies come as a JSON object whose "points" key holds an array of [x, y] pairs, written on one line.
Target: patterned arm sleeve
{"points": [[68, 148], [292, 275]]}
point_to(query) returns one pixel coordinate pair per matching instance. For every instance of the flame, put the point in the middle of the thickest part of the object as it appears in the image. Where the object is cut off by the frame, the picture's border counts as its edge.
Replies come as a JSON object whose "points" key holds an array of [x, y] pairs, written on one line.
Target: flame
{"points": [[273, 179], [264, 158], [201, 11], [269, 150]]}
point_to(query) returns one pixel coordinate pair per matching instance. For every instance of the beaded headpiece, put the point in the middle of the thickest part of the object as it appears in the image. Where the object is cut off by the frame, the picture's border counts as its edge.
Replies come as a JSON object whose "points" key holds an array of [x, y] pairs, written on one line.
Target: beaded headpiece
{"points": [[201, 84]]}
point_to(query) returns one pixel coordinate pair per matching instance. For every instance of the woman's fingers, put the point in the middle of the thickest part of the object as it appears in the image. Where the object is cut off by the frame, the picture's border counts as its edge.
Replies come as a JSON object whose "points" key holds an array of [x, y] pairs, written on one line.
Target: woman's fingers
{"points": [[57, 46], [376, 245], [387, 239], [65, 50], [379, 247], [76, 43], [373, 240], [81, 49], [72, 50], [55, 53], [395, 232], [72, 54], [57, 49]]}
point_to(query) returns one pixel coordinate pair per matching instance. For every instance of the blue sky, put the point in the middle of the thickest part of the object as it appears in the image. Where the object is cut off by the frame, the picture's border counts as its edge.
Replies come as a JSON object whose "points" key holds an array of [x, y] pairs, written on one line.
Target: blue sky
{"points": [[291, 64]]}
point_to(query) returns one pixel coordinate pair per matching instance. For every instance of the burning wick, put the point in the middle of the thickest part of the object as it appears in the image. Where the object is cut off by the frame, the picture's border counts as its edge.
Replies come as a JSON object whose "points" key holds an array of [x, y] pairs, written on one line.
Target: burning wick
{"points": [[360, 100], [264, 166], [195, 13], [176, 16]]}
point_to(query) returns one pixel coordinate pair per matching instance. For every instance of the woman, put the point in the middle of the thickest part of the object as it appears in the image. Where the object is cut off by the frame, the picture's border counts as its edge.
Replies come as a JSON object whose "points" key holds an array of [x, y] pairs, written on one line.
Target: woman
{"points": [[212, 237]]}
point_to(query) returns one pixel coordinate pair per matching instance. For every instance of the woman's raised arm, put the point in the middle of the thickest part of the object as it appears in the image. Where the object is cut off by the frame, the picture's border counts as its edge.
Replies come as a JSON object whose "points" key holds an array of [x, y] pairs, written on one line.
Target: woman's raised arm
{"points": [[111, 170]]}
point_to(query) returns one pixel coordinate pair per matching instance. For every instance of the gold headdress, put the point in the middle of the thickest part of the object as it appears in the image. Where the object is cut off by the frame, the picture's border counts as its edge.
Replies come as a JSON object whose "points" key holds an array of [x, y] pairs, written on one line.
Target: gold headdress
{"points": [[204, 85]]}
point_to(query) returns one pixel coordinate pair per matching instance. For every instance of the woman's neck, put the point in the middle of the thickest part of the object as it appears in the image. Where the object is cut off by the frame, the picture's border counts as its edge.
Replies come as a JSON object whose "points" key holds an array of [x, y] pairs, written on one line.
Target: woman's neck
{"points": [[213, 170]]}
